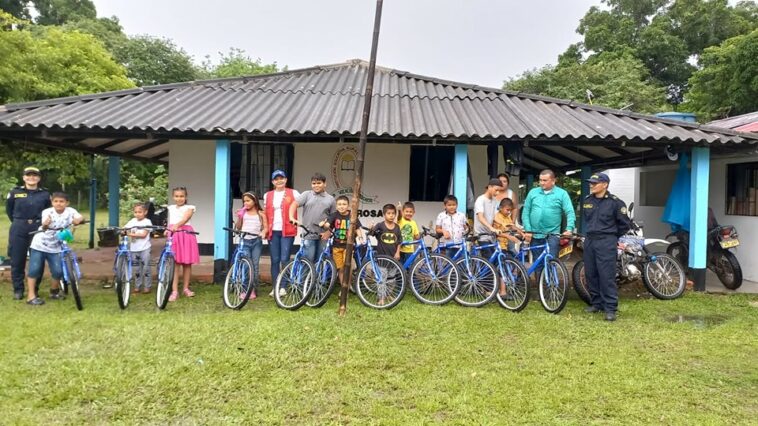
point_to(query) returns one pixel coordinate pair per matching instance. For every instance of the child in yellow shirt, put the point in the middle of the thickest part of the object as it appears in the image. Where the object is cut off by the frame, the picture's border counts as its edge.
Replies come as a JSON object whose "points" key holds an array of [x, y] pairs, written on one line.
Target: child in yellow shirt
{"points": [[504, 222]]}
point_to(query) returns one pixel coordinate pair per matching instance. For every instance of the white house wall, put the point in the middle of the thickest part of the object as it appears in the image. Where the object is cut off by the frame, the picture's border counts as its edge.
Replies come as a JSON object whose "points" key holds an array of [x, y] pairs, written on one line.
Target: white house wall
{"points": [[386, 175], [192, 165]]}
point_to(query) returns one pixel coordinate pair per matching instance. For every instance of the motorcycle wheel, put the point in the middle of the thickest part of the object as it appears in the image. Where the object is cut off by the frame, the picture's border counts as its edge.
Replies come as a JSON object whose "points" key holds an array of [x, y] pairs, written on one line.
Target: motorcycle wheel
{"points": [[728, 269], [680, 252], [580, 282], [663, 276]]}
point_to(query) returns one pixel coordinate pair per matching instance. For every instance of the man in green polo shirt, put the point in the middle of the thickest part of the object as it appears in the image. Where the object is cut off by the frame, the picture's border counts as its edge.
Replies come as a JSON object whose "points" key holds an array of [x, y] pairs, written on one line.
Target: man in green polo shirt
{"points": [[543, 213]]}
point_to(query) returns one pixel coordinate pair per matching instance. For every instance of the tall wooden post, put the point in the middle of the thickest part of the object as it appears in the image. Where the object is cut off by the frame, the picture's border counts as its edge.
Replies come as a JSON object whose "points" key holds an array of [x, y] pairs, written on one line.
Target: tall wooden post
{"points": [[346, 270]]}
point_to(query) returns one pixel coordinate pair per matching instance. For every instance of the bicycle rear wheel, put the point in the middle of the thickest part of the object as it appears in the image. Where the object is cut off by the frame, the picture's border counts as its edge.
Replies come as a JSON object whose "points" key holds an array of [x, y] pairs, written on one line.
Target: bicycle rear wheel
{"points": [[326, 276], [478, 282], [166, 268], [294, 284], [554, 286], [238, 284], [73, 280], [121, 280], [434, 279], [513, 293], [381, 284]]}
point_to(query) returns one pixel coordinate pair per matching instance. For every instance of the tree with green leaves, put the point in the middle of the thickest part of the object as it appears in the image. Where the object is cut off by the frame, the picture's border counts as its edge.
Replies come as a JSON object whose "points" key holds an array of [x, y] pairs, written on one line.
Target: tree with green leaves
{"points": [[153, 60], [59, 12], [107, 30], [19, 9], [236, 63], [613, 82], [49, 63], [665, 37], [727, 83], [663, 34]]}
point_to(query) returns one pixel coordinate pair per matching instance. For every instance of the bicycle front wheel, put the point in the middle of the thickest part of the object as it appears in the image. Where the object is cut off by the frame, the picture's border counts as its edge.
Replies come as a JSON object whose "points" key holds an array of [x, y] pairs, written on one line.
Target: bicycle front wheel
{"points": [[554, 284], [294, 284], [434, 279], [238, 284], [513, 293], [121, 281], [73, 280], [166, 268], [381, 284], [326, 276], [478, 282]]}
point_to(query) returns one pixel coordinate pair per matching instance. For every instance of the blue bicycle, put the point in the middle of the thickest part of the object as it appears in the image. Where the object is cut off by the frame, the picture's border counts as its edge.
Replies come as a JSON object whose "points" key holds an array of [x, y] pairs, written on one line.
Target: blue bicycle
{"points": [[325, 278], [433, 277], [513, 293], [554, 277], [294, 284], [69, 265], [240, 278], [380, 280], [478, 280], [122, 264], [166, 267]]}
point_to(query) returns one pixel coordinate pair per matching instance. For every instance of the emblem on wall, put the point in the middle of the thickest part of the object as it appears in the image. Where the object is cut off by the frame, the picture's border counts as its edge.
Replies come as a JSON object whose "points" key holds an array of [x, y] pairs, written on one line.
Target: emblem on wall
{"points": [[343, 173]]}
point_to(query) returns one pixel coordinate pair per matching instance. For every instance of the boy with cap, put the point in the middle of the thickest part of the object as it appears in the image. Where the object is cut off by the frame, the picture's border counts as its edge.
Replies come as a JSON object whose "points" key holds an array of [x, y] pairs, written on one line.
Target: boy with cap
{"points": [[605, 220], [24, 206]]}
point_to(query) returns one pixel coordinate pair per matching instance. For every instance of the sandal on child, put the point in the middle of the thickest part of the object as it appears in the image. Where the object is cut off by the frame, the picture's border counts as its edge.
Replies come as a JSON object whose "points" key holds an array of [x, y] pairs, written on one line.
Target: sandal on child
{"points": [[188, 293], [251, 295], [174, 295]]}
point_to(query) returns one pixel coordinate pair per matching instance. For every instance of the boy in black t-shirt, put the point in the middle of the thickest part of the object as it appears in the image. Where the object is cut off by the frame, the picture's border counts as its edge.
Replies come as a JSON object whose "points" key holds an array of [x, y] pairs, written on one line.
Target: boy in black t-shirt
{"points": [[339, 223], [387, 233]]}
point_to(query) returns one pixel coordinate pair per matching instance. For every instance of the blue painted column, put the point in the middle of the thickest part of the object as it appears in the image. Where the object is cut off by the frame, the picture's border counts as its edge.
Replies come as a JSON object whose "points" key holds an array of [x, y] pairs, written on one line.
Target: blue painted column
{"points": [[114, 185], [460, 173], [585, 191], [221, 209], [529, 182], [699, 215]]}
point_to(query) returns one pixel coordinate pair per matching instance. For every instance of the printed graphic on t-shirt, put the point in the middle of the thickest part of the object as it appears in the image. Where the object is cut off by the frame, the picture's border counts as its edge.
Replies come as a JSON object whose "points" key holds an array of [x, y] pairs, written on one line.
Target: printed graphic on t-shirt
{"points": [[407, 232], [389, 238], [341, 224]]}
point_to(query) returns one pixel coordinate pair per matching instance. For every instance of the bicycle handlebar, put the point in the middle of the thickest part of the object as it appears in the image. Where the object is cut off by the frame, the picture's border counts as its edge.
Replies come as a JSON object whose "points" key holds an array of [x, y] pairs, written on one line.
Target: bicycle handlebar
{"points": [[58, 229], [241, 232], [165, 228]]}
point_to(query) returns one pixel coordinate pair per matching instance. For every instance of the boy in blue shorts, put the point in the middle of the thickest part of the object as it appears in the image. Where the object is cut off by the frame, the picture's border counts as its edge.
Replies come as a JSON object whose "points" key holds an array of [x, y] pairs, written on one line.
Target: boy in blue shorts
{"points": [[45, 247]]}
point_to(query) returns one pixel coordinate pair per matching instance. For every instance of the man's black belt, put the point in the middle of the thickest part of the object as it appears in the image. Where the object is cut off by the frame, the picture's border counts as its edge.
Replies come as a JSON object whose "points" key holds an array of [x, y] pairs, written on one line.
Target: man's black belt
{"points": [[28, 221]]}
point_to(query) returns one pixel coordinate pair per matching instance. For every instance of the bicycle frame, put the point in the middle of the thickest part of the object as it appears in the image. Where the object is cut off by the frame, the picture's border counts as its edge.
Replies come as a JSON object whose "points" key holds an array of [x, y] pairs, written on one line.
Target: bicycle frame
{"points": [[541, 261], [123, 248], [493, 259], [65, 249], [423, 250], [462, 252]]}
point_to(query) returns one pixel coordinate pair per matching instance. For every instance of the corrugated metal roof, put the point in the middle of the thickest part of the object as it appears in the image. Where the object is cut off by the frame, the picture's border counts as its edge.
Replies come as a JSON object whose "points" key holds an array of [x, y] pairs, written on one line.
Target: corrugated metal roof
{"points": [[327, 100], [741, 123]]}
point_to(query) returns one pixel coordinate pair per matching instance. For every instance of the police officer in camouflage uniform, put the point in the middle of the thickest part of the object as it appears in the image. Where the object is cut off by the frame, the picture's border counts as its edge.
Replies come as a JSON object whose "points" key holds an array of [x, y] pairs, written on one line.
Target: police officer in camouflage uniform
{"points": [[605, 220], [24, 207]]}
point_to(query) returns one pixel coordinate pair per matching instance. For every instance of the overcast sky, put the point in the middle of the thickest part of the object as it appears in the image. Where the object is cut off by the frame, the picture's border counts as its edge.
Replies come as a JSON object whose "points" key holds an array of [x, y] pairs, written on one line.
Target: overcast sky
{"points": [[472, 41]]}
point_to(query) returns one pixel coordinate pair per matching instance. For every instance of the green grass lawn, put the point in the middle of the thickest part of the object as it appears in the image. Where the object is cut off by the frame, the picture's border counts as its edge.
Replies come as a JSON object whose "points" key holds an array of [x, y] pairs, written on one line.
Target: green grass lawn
{"points": [[198, 362], [81, 234]]}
